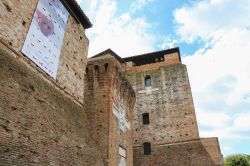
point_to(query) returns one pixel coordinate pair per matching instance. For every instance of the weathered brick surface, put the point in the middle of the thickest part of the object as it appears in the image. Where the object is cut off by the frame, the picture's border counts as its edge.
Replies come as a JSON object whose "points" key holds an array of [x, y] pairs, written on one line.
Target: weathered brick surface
{"points": [[172, 129], [15, 19], [171, 110], [106, 86], [212, 147], [192, 153], [38, 124], [73, 60]]}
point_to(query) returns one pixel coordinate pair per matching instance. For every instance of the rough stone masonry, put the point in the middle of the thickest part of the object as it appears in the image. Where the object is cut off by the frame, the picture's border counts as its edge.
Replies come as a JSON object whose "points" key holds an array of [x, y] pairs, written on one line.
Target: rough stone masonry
{"points": [[165, 131], [102, 111]]}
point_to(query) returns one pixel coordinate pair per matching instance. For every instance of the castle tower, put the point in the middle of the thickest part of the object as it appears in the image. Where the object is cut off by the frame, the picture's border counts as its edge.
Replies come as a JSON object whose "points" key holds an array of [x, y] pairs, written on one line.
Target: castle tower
{"points": [[109, 103], [164, 123]]}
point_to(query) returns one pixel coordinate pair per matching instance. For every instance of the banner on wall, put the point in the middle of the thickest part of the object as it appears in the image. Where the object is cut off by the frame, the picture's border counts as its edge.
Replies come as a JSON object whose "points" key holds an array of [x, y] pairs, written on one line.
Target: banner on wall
{"points": [[44, 41], [120, 113]]}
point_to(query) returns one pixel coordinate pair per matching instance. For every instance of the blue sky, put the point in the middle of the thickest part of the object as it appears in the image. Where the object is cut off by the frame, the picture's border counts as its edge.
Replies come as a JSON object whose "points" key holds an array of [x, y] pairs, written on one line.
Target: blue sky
{"points": [[214, 39]]}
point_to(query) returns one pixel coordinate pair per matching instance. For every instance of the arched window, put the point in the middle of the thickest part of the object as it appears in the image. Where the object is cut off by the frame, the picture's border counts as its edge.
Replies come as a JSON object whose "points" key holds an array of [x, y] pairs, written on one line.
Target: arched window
{"points": [[147, 81]]}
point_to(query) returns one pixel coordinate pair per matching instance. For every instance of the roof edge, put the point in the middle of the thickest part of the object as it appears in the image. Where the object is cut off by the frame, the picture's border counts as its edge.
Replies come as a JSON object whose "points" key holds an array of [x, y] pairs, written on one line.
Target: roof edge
{"points": [[108, 51], [77, 13], [127, 59], [167, 51]]}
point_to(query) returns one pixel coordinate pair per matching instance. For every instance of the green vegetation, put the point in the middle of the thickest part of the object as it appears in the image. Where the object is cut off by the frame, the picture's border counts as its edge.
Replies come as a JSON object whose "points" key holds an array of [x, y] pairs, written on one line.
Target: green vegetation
{"points": [[248, 158], [237, 160]]}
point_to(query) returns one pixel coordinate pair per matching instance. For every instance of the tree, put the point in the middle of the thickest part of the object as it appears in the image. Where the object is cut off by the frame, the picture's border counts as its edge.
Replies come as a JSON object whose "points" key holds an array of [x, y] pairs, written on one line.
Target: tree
{"points": [[237, 160], [248, 158]]}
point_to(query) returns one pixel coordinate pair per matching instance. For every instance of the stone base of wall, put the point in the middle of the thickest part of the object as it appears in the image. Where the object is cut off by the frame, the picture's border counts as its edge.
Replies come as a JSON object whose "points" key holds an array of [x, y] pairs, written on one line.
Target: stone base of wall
{"points": [[202, 152], [39, 125]]}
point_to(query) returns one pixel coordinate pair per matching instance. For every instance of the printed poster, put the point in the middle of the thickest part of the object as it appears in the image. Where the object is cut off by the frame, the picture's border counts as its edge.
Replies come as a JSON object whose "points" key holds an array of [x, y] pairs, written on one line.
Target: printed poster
{"points": [[44, 41], [120, 113]]}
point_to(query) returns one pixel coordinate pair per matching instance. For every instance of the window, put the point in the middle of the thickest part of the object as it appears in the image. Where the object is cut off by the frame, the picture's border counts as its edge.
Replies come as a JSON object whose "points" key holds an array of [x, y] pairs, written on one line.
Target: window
{"points": [[147, 148], [147, 81], [145, 118]]}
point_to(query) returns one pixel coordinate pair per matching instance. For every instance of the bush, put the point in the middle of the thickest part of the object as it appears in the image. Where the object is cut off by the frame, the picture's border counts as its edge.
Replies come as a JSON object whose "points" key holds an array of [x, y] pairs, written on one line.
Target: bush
{"points": [[237, 160], [248, 158]]}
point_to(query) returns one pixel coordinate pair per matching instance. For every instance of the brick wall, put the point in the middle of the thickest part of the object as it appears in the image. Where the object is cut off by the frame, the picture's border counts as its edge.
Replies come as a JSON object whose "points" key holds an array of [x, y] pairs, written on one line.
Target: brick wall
{"points": [[192, 153], [15, 19], [212, 147], [172, 130], [106, 87], [170, 106], [39, 125], [42, 120]]}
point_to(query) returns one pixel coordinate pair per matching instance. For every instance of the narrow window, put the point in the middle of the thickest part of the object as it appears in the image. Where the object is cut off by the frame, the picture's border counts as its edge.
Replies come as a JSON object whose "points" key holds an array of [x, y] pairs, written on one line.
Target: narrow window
{"points": [[145, 118], [96, 72], [147, 81], [106, 66], [147, 148]]}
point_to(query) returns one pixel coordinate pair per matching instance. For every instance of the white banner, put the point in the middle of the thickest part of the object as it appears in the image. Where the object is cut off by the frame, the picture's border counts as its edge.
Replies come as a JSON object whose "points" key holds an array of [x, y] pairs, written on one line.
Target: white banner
{"points": [[45, 37]]}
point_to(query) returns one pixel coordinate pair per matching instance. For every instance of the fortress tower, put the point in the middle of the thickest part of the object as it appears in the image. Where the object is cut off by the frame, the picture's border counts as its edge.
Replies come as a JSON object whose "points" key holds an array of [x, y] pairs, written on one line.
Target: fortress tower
{"points": [[165, 128]]}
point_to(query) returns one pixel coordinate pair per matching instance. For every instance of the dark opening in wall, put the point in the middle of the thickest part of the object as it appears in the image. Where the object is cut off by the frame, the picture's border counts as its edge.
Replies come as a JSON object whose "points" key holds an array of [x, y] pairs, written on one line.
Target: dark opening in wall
{"points": [[145, 118], [148, 81], [96, 72], [147, 148], [24, 23], [7, 7], [106, 66]]}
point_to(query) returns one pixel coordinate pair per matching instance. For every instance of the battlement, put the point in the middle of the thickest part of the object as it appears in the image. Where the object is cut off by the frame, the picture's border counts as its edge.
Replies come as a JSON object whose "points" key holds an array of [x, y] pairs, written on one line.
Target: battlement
{"points": [[109, 100]]}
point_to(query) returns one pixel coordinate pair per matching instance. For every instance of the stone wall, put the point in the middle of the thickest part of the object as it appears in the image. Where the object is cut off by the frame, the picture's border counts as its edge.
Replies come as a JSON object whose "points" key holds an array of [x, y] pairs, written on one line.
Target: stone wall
{"points": [[106, 88], [172, 130], [192, 153], [212, 147], [15, 19], [39, 125], [170, 106]]}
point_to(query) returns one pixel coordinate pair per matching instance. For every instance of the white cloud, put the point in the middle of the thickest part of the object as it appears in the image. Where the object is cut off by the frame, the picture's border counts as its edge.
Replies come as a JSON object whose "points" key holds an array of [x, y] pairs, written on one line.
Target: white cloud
{"points": [[227, 149], [79, 1], [223, 125], [168, 43], [123, 34], [213, 120], [242, 122], [206, 17], [226, 134], [138, 4], [221, 104], [236, 130], [227, 56]]}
